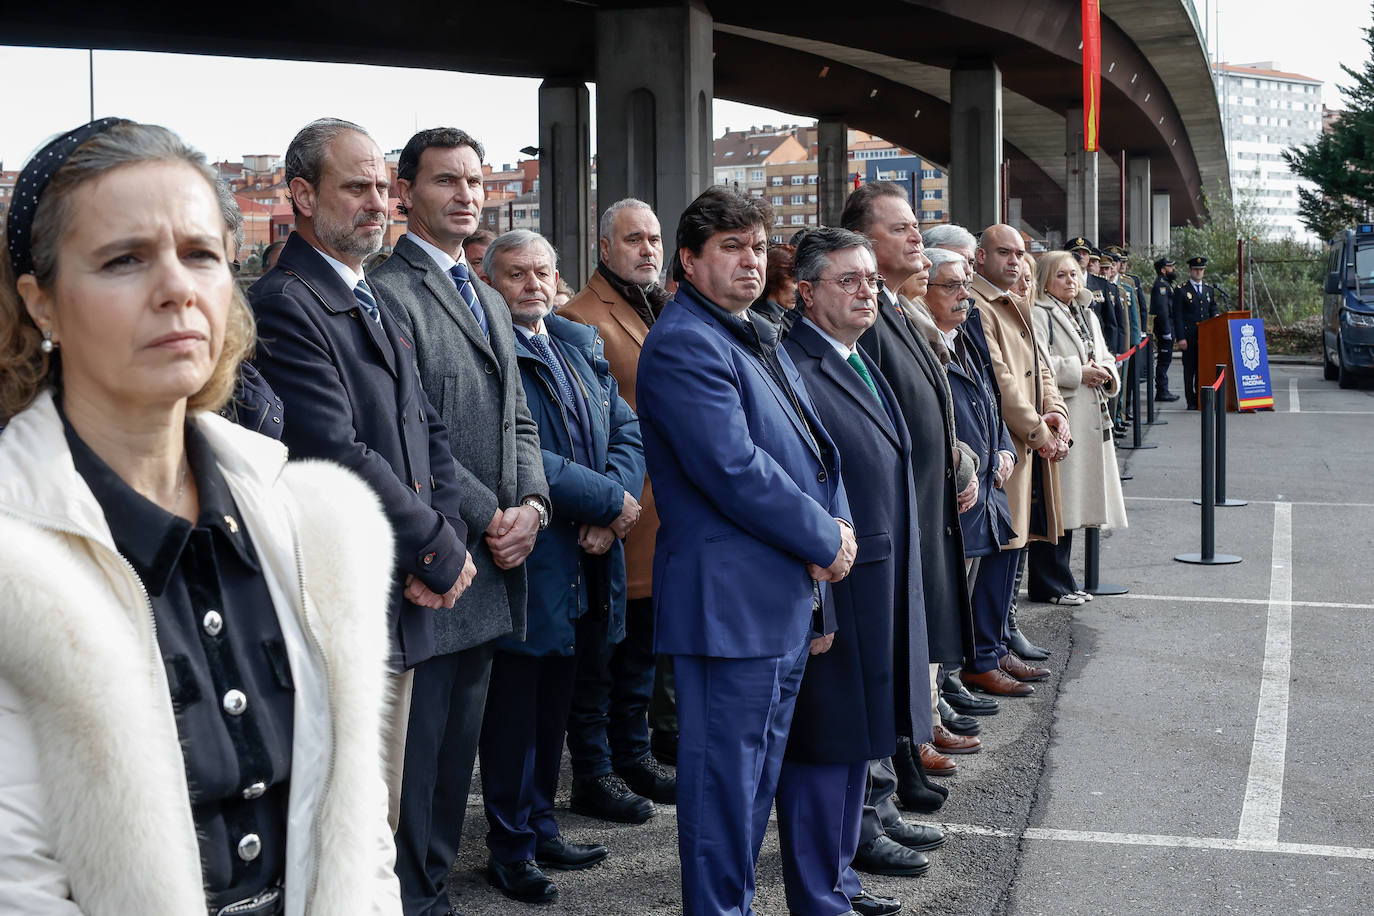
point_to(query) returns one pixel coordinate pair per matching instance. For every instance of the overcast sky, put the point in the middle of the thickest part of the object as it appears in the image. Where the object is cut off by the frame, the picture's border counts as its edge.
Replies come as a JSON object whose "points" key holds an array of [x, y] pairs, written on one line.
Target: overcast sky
{"points": [[229, 107]]}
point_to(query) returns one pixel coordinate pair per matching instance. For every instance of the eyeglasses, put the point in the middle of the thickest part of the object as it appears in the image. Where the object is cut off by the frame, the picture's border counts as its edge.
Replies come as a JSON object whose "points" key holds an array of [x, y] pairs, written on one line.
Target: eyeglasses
{"points": [[965, 285], [850, 282]]}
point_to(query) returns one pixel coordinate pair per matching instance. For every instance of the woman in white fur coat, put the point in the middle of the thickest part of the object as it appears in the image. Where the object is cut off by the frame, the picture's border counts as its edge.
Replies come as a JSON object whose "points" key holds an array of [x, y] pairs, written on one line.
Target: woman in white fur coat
{"points": [[1089, 483], [111, 804]]}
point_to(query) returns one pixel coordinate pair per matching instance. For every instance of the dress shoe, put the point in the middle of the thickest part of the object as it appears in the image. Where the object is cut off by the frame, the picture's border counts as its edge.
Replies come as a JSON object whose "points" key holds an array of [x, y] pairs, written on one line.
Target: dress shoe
{"points": [[957, 695], [559, 853], [651, 779], [1166, 396], [995, 681], [946, 742], [936, 763], [920, 837], [883, 855], [521, 881], [867, 904], [1018, 643], [956, 722], [914, 791], [609, 799], [1020, 670], [663, 745]]}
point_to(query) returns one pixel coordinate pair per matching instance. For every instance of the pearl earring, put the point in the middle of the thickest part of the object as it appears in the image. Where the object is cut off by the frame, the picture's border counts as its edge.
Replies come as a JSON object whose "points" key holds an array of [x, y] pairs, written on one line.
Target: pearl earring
{"points": [[47, 346]]}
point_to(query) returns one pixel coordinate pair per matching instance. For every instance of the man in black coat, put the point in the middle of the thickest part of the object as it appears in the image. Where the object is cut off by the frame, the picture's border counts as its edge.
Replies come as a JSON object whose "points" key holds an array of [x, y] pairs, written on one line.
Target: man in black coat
{"points": [[333, 351], [1162, 307], [1193, 302], [880, 211], [874, 681]]}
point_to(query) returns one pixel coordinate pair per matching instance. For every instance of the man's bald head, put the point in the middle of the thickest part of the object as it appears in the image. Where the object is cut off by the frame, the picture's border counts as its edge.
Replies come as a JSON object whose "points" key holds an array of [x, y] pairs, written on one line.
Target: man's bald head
{"points": [[999, 254]]}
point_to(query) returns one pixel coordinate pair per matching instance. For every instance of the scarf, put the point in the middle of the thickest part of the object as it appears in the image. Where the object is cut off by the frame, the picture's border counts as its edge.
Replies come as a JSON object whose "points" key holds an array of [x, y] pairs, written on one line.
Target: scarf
{"points": [[647, 301]]}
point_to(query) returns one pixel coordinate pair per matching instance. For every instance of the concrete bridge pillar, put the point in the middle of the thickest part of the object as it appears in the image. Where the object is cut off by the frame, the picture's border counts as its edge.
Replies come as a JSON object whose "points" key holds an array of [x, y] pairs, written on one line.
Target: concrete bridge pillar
{"points": [[832, 155], [975, 145], [1159, 221], [565, 176], [1081, 181], [1138, 204], [654, 89]]}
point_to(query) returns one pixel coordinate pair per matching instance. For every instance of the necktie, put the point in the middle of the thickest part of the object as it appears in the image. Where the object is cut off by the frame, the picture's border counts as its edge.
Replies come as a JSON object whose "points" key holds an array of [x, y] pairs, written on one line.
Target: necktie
{"points": [[560, 378], [857, 362], [363, 293], [461, 279]]}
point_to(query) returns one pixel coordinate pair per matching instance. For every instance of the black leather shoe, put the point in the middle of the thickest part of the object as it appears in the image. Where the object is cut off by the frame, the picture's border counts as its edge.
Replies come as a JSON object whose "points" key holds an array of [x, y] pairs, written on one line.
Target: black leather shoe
{"points": [[663, 745], [651, 779], [521, 881], [956, 722], [867, 904], [560, 854], [883, 855], [958, 696], [1018, 643], [609, 799], [1166, 396], [920, 837]]}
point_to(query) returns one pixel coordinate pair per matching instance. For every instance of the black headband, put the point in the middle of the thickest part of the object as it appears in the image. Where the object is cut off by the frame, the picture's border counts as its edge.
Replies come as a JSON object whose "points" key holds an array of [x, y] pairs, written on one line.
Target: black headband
{"points": [[35, 177]]}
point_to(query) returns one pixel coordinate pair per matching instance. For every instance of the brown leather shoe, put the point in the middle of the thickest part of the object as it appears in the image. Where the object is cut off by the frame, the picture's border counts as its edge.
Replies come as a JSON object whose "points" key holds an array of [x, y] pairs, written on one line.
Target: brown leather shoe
{"points": [[996, 682], [946, 742], [1020, 670], [935, 763]]}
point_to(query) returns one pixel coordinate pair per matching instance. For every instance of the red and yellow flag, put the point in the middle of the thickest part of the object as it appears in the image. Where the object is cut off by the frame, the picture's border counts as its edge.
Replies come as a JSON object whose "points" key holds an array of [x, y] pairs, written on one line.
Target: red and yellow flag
{"points": [[1092, 74]]}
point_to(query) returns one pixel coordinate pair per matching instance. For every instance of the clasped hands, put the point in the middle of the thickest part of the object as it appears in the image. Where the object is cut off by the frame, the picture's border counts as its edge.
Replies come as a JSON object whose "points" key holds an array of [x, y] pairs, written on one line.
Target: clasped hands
{"points": [[597, 539], [1056, 448], [844, 559]]}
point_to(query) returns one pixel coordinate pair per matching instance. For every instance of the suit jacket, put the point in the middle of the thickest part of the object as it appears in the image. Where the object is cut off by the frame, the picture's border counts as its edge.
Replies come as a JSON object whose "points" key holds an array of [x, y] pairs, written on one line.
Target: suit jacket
{"points": [[1028, 392], [1162, 307], [877, 672], [623, 331], [914, 371], [581, 494], [1190, 307], [748, 491], [475, 383], [355, 398]]}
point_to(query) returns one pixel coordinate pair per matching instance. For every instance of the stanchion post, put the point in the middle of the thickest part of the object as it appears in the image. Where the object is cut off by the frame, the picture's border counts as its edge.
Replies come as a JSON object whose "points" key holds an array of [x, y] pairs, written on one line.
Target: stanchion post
{"points": [[1150, 380], [1133, 375], [1220, 400], [1092, 559], [1208, 556]]}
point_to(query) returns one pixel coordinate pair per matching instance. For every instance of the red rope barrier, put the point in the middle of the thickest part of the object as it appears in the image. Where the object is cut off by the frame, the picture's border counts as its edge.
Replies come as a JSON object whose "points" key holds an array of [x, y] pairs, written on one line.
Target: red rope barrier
{"points": [[1127, 355], [1221, 380]]}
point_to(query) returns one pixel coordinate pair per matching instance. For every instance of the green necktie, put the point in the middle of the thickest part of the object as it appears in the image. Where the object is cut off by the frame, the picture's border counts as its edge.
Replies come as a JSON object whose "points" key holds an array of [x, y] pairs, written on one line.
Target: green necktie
{"points": [[857, 362]]}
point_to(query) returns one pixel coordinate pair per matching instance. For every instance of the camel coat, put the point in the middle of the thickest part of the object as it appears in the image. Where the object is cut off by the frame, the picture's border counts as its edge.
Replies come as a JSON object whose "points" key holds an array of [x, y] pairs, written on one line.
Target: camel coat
{"points": [[620, 326], [1028, 392], [1090, 484]]}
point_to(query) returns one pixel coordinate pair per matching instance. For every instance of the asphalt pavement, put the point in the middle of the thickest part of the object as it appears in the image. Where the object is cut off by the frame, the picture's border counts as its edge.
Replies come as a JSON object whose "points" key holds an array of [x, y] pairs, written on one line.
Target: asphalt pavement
{"points": [[1132, 781]]}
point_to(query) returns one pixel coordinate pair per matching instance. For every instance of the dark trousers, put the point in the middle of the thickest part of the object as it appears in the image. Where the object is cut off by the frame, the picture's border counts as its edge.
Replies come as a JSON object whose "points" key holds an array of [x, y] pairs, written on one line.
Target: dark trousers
{"points": [[1164, 355], [992, 594], [1048, 569], [522, 748], [446, 703], [663, 704], [733, 719], [818, 829], [1190, 373], [609, 726], [878, 810]]}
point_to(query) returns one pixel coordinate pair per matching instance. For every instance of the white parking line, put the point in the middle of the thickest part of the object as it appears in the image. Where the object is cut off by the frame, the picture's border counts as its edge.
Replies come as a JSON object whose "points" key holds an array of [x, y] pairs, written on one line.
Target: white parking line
{"points": [[1205, 599], [1257, 502], [1259, 817], [1294, 405], [1177, 842]]}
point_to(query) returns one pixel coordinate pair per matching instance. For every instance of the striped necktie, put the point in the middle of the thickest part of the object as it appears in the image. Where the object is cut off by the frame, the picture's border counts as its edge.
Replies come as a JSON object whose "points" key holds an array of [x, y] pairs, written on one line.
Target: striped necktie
{"points": [[363, 293], [540, 344], [463, 281]]}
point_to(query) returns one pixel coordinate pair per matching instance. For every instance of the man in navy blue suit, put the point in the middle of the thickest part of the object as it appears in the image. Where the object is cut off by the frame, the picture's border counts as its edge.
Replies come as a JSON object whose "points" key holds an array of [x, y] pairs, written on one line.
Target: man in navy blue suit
{"points": [[753, 523]]}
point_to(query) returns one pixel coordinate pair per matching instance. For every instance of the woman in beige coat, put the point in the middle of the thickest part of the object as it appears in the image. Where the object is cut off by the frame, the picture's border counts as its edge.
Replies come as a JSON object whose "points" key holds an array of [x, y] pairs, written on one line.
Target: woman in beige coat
{"points": [[1084, 370]]}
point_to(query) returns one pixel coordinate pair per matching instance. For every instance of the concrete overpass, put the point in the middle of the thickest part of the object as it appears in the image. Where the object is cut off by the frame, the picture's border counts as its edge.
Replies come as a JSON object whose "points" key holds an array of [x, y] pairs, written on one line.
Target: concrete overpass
{"points": [[967, 85]]}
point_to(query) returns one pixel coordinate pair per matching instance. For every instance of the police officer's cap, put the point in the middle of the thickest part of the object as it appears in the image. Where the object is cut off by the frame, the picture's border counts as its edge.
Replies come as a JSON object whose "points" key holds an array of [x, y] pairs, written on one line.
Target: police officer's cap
{"points": [[1116, 251], [1078, 243], [1197, 262], [1094, 254], [1163, 263]]}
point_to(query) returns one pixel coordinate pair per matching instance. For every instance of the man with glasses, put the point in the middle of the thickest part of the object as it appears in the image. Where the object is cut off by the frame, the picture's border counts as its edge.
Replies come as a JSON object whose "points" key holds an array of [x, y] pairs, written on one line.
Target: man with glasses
{"points": [[943, 479]]}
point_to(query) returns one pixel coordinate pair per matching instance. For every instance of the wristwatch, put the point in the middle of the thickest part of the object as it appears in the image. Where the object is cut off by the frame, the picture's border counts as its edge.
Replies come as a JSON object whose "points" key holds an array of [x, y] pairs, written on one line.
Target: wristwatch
{"points": [[537, 505]]}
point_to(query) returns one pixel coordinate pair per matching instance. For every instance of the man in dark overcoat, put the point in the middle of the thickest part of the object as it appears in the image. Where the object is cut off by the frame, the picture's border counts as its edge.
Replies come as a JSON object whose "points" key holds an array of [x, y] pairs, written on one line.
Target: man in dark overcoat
{"points": [[873, 683], [465, 345]]}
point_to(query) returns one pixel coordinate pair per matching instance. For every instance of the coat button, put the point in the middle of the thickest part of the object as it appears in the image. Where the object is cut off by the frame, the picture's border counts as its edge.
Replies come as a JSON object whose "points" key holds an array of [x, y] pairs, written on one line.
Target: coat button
{"points": [[256, 790], [949, 472], [212, 622], [1028, 373], [949, 531], [250, 847], [820, 478], [1023, 334], [490, 370], [416, 485], [429, 559], [233, 524], [235, 703]]}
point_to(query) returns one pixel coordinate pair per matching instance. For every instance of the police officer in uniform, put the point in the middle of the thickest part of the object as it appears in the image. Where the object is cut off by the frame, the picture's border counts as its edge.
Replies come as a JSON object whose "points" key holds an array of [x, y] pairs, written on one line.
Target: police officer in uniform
{"points": [[1162, 307], [1130, 323], [1103, 304], [1193, 302]]}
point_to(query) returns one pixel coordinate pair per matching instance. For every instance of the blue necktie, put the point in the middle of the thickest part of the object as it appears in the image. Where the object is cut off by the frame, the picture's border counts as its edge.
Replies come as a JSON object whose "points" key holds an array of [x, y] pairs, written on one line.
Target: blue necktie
{"points": [[461, 279], [541, 346], [363, 294]]}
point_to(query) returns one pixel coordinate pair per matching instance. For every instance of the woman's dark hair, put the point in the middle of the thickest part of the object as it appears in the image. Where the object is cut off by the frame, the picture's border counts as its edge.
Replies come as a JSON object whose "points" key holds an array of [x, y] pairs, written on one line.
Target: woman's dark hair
{"points": [[718, 209], [780, 261]]}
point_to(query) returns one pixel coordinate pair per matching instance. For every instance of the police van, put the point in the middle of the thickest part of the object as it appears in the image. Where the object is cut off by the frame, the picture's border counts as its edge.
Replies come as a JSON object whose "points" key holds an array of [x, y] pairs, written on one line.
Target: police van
{"points": [[1348, 309]]}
